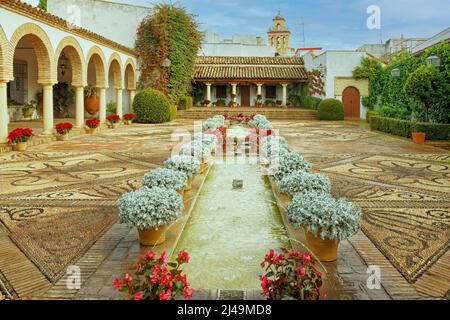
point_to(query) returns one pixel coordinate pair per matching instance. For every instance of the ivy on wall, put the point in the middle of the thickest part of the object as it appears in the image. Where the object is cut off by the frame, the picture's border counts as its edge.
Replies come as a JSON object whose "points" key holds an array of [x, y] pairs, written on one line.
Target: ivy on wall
{"points": [[388, 94], [316, 83], [170, 32]]}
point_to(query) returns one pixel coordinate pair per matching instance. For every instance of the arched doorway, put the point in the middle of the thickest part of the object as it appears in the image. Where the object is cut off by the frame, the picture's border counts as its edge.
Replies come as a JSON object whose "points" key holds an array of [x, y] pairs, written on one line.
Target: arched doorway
{"points": [[352, 102], [95, 100], [114, 93]]}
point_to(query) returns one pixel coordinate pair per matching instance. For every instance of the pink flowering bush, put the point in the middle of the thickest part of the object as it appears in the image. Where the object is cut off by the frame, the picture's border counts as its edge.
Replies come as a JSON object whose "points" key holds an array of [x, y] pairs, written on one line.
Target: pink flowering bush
{"points": [[155, 279], [290, 275]]}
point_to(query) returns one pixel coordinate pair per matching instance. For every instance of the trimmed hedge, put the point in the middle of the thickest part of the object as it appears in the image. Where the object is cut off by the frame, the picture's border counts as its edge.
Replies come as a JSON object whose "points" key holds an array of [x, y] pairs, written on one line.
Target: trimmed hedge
{"points": [[173, 112], [434, 131], [186, 103], [331, 109], [371, 114], [152, 106], [309, 102]]}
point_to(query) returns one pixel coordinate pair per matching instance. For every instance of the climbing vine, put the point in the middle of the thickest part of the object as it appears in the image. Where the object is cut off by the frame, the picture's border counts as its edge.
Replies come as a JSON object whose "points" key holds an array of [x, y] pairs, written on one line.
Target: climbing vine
{"points": [[316, 83], [169, 33]]}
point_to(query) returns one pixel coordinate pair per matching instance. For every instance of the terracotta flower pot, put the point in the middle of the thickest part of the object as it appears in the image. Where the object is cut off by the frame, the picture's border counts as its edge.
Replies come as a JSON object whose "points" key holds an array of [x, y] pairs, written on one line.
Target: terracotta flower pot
{"points": [[20, 146], [203, 167], [29, 113], [418, 137], [114, 125], [326, 250], [285, 197], [91, 130], [181, 192], [62, 137], [127, 122], [189, 183], [152, 237], [92, 105]]}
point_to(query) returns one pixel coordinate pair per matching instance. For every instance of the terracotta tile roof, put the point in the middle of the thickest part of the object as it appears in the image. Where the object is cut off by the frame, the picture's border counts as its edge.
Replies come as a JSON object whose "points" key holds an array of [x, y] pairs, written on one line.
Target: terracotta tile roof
{"points": [[251, 68], [34, 13]]}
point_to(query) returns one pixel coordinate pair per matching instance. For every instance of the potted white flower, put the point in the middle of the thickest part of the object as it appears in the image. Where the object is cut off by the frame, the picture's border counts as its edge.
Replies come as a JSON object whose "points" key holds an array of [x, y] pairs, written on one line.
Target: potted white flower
{"points": [[301, 181], [197, 150], [166, 178], [150, 210], [326, 221], [287, 163], [187, 164]]}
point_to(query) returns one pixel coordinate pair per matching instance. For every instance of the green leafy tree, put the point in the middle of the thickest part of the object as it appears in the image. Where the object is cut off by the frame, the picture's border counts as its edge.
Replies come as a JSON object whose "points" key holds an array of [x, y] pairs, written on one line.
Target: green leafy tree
{"points": [[372, 70], [422, 84], [170, 32], [42, 5]]}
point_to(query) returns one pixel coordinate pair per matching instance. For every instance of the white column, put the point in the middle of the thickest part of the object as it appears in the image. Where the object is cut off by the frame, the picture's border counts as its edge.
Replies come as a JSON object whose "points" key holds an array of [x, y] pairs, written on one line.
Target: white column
{"points": [[48, 109], [285, 85], [3, 113], [102, 98], [132, 95], [119, 102], [208, 91], [259, 90], [79, 107], [234, 91]]}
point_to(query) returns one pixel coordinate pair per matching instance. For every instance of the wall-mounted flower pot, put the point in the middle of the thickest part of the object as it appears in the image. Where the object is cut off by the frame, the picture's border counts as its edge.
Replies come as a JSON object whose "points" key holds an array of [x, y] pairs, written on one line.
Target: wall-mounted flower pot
{"points": [[92, 105], [20, 146], [325, 249], [152, 237], [418, 137]]}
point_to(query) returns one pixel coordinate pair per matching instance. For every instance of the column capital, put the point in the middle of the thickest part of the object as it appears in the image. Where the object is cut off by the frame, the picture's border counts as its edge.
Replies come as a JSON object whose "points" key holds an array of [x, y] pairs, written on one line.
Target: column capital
{"points": [[285, 84], [208, 84]]}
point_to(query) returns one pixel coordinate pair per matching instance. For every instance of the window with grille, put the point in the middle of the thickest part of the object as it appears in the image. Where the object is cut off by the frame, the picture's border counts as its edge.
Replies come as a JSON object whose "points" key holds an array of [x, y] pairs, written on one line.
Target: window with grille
{"points": [[17, 89], [271, 92], [221, 92]]}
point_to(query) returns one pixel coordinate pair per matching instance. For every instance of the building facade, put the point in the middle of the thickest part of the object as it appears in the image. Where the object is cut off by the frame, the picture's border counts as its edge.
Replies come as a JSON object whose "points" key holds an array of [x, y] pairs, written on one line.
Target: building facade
{"points": [[337, 68], [249, 81], [279, 35], [33, 45]]}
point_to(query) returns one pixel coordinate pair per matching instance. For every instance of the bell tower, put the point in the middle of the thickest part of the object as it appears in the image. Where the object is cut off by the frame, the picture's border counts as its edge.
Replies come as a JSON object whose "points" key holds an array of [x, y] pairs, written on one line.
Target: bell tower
{"points": [[279, 36]]}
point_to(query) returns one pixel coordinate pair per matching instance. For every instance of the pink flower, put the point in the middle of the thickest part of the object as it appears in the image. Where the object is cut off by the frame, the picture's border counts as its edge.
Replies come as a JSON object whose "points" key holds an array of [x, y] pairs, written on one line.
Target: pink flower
{"points": [[165, 295], [127, 278], [138, 295], [263, 265], [183, 256], [325, 296], [163, 256], [149, 255], [188, 293], [306, 257], [302, 270], [117, 284]]}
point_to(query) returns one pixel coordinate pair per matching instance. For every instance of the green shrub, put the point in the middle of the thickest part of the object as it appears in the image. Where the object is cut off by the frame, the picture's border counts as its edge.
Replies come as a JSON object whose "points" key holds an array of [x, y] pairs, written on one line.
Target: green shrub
{"points": [[269, 103], [371, 114], [173, 112], [390, 125], [331, 109], [434, 131], [391, 110], [221, 103], [309, 102], [152, 106], [186, 103]]}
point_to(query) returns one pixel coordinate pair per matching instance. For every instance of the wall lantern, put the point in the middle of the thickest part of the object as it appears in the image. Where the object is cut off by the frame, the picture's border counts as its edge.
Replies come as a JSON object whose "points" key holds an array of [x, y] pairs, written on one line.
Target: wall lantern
{"points": [[396, 73], [434, 61]]}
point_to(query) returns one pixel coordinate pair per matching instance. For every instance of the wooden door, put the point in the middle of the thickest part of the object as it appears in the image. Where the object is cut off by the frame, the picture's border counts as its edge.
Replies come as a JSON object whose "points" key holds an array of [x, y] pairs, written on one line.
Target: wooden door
{"points": [[245, 96], [352, 102]]}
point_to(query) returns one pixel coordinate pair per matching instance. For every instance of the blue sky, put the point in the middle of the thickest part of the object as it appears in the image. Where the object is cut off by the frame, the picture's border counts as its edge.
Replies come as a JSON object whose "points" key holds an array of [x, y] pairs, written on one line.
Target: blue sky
{"points": [[331, 24]]}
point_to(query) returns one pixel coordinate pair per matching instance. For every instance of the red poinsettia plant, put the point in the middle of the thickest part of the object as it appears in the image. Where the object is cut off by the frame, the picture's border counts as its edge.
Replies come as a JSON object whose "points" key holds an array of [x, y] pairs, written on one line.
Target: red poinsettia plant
{"points": [[92, 123], [155, 279], [129, 116], [63, 128], [290, 275], [113, 118], [20, 135], [279, 102]]}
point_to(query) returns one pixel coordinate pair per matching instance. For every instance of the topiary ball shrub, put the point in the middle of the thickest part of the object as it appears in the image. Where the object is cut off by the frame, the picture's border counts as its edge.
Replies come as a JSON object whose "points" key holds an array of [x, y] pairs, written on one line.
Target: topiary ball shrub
{"points": [[152, 106], [331, 109]]}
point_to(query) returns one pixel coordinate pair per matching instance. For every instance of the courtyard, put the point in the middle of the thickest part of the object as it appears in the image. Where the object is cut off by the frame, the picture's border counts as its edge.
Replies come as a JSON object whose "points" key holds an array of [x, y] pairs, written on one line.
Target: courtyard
{"points": [[58, 209]]}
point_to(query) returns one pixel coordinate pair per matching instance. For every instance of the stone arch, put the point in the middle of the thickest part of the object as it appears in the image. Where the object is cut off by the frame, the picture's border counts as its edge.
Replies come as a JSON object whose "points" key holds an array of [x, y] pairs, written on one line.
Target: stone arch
{"points": [[6, 72], [79, 69], [130, 74], [115, 65], [98, 59], [42, 47]]}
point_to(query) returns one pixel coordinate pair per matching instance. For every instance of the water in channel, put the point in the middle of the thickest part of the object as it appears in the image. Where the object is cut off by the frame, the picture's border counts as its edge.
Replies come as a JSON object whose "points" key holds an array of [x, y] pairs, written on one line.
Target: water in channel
{"points": [[230, 230]]}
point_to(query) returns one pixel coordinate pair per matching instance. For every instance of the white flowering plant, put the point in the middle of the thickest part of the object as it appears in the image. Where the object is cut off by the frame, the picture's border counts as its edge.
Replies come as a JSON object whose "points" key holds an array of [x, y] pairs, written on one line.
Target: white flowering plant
{"points": [[273, 146], [165, 178], [261, 122], [208, 140], [187, 164], [213, 123], [334, 219], [289, 162], [301, 181], [195, 149], [150, 208]]}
